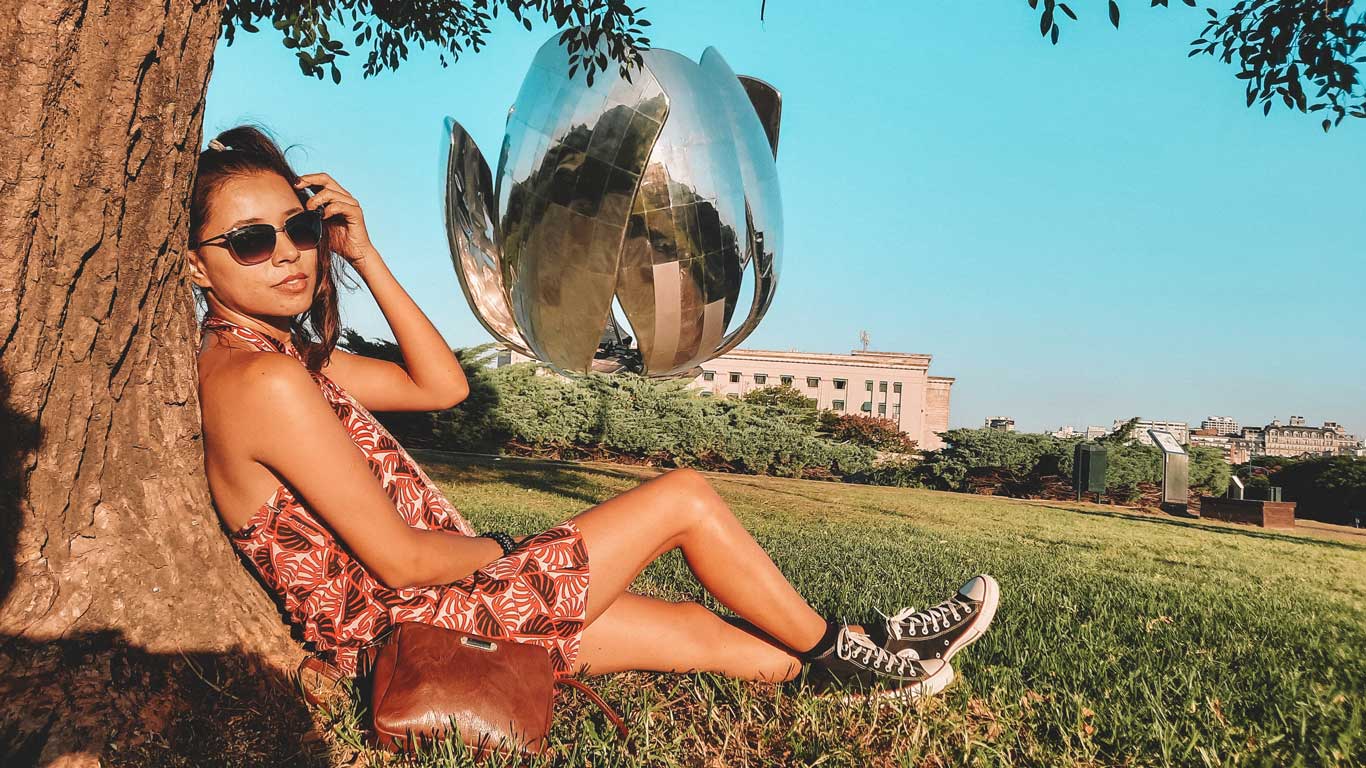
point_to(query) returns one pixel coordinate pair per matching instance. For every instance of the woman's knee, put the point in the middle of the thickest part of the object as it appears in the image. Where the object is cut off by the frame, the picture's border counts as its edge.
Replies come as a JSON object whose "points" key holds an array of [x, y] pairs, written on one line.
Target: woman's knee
{"points": [[695, 497]]}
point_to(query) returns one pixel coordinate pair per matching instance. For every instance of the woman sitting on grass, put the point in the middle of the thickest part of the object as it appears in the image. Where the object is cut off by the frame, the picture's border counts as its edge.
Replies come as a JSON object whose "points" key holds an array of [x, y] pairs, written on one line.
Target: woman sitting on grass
{"points": [[353, 536]]}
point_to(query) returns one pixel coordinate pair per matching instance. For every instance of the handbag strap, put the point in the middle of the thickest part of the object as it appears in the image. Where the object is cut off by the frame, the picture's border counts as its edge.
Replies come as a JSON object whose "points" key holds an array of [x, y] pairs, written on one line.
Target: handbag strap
{"points": [[323, 669], [596, 699]]}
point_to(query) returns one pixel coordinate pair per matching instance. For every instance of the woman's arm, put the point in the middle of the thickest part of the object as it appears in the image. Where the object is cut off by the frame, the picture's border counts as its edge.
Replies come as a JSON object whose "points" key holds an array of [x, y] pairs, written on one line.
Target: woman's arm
{"points": [[298, 436], [431, 377]]}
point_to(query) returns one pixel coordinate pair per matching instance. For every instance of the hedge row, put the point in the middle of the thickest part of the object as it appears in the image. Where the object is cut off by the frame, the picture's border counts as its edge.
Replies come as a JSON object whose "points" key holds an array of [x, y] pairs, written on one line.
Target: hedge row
{"points": [[774, 431]]}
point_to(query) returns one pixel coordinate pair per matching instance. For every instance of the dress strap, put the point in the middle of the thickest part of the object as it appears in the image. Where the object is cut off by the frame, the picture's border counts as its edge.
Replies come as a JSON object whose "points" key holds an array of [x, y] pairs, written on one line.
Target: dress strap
{"points": [[251, 336]]}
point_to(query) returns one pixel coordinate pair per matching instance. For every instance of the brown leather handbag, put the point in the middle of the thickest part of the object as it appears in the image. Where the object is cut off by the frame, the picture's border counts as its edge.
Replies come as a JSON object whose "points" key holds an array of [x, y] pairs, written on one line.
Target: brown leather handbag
{"points": [[497, 694]]}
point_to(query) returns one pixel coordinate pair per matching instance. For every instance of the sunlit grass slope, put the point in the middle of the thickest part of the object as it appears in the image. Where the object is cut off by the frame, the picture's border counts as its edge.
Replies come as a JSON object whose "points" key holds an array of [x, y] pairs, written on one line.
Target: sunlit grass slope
{"points": [[1122, 638]]}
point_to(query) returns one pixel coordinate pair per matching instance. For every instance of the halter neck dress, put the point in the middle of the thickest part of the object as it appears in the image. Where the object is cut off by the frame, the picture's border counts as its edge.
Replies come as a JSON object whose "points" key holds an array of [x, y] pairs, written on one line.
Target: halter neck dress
{"points": [[536, 594]]}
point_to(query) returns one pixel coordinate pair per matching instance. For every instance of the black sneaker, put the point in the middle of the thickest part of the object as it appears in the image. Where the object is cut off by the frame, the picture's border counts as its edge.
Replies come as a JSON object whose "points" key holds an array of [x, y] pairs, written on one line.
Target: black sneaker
{"points": [[858, 667], [947, 628]]}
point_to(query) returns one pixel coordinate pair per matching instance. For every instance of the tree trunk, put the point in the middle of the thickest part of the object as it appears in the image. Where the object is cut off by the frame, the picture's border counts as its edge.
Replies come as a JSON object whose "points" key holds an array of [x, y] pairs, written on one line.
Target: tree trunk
{"points": [[123, 610]]}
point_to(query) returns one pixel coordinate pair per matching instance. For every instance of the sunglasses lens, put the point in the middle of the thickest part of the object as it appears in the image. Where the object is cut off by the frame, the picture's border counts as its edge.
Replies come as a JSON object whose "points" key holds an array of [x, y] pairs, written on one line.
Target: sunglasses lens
{"points": [[253, 244], [305, 229]]}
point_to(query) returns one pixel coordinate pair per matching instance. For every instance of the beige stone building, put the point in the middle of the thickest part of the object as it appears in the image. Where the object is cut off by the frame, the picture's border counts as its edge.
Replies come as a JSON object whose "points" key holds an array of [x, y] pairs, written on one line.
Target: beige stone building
{"points": [[891, 385], [1300, 439]]}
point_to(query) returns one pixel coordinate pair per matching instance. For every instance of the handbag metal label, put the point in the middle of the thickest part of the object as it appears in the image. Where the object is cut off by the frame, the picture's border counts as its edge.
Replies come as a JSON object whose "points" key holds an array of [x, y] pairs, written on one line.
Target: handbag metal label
{"points": [[478, 643]]}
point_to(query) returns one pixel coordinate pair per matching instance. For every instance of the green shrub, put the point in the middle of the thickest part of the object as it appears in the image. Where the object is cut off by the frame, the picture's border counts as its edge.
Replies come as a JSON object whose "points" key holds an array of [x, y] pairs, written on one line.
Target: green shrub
{"points": [[1019, 453], [1331, 489]]}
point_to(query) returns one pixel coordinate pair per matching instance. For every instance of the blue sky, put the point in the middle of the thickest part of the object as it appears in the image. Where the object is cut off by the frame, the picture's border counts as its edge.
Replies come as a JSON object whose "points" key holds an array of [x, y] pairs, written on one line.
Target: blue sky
{"points": [[1077, 233]]}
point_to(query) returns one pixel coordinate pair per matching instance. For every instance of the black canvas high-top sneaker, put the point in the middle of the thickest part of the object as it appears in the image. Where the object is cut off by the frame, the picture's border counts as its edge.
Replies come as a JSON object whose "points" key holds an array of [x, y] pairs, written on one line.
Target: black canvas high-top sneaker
{"points": [[947, 628], [856, 667]]}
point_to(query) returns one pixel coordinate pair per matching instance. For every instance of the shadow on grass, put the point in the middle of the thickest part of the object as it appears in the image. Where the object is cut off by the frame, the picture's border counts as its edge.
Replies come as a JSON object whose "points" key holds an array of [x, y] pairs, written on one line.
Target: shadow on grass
{"points": [[563, 478], [1198, 524], [97, 691]]}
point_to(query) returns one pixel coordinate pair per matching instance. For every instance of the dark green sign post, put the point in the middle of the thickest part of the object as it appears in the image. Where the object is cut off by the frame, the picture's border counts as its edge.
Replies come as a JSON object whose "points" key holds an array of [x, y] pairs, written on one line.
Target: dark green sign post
{"points": [[1088, 469]]}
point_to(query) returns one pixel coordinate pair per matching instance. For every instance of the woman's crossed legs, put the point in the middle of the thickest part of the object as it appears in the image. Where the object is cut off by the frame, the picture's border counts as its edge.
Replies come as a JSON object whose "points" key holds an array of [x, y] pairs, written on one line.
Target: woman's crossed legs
{"points": [[679, 509]]}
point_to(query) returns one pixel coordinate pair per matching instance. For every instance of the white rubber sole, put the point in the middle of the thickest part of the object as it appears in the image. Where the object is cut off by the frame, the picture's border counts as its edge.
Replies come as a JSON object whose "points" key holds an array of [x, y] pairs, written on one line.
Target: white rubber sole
{"points": [[979, 627], [925, 688]]}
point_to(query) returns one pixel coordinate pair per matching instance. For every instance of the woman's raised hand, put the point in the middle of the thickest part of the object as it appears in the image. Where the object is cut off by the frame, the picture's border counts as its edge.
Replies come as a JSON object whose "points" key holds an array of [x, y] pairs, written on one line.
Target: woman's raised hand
{"points": [[342, 215]]}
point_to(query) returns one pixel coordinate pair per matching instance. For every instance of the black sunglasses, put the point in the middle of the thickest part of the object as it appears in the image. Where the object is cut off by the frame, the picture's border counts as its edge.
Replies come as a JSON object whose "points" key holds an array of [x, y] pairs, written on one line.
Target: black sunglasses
{"points": [[255, 243]]}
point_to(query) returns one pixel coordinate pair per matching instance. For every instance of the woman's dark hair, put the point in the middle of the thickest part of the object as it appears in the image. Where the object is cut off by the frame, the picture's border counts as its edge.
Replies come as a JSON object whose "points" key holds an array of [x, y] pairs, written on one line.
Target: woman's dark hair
{"points": [[248, 149]]}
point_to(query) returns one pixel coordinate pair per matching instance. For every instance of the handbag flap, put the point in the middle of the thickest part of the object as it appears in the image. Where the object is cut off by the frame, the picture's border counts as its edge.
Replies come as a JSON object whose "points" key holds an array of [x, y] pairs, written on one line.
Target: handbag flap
{"points": [[495, 691]]}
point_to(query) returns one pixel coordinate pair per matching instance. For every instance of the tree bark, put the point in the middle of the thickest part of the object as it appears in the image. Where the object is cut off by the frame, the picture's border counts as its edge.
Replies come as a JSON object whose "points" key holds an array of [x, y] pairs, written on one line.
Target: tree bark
{"points": [[123, 609]]}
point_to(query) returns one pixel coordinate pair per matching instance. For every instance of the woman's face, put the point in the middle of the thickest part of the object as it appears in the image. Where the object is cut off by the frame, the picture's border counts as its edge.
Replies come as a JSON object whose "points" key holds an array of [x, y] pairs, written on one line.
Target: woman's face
{"points": [[264, 289]]}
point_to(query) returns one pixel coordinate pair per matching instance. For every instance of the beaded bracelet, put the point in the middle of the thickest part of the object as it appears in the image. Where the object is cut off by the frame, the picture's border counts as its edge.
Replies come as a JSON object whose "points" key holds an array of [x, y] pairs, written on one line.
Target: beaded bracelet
{"points": [[505, 541]]}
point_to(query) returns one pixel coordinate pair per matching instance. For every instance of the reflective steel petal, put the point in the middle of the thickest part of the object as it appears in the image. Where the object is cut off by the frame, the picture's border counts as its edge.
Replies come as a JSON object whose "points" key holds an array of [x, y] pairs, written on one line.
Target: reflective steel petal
{"points": [[575, 158], [660, 191], [768, 104], [468, 207]]}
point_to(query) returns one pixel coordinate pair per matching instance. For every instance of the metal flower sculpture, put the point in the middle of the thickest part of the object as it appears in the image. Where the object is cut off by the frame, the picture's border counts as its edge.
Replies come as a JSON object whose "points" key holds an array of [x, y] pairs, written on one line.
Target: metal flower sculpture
{"points": [[660, 192]]}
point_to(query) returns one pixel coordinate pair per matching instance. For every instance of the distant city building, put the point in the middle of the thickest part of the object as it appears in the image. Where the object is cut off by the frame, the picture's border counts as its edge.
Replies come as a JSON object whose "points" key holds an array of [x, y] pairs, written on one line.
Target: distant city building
{"points": [[1299, 439], [889, 385], [1222, 425], [1069, 431], [1178, 429], [1000, 423], [1290, 440], [1236, 450]]}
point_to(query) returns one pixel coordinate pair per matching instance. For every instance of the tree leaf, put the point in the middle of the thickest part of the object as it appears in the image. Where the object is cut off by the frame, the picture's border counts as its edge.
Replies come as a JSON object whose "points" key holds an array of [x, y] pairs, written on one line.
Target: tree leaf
{"points": [[1114, 13], [1067, 11], [1054, 34]]}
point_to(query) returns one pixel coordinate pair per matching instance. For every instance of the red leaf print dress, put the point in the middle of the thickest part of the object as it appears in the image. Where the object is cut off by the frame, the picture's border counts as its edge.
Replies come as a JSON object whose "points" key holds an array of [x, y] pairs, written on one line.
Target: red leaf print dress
{"points": [[537, 594]]}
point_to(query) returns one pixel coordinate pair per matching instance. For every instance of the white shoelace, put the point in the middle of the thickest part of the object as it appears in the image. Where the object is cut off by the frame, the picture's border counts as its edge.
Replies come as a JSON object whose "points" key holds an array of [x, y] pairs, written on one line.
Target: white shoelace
{"points": [[859, 648], [909, 622]]}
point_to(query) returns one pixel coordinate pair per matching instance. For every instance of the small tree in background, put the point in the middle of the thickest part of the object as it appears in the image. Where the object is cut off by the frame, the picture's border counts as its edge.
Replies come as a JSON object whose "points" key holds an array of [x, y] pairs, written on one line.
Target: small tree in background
{"points": [[785, 402], [876, 433]]}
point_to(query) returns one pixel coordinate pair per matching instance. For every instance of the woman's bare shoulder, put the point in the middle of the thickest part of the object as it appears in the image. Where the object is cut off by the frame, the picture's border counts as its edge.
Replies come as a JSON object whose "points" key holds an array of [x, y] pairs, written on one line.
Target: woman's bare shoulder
{"points": [[233, 378]]}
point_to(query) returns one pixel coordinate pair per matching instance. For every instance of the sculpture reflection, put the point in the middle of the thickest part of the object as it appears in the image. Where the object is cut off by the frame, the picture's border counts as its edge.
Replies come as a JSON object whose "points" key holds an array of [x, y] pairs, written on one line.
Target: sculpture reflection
{"points": [[659, 192]]}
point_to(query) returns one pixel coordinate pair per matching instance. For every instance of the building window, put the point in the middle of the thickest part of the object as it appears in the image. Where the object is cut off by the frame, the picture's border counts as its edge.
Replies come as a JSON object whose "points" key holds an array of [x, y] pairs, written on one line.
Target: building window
{"points": [[813, 381], [882, 386], [732, 396], [867, 407], [709, 375], [869, 384], [837, 405], [896, 387], [786, 381], [707, 393], [882, 409], [840, 383], [734, 377], [504, 358], [761, 378]]}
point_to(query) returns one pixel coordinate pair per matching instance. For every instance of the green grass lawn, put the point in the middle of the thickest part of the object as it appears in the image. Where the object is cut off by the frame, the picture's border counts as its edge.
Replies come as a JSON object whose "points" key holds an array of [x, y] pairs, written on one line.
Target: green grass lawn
{"points": [[1123, 638]]}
